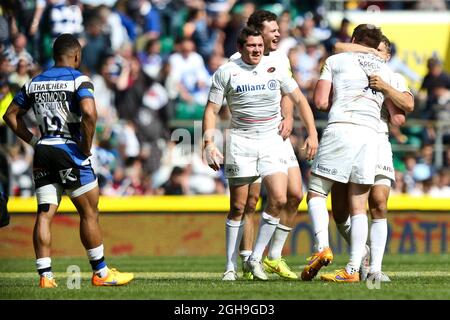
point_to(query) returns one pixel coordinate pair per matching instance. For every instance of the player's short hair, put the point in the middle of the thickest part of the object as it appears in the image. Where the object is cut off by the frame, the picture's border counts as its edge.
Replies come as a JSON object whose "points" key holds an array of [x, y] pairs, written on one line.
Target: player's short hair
{"points": [[367, 34], [245, 33], [257, 18], [386, 42], [65, 43]]}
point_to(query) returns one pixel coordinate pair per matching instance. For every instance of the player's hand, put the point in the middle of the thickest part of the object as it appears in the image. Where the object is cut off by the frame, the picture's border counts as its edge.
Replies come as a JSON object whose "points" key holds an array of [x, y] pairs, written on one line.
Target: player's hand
{"points": [[285, 127], [213, 156], [310, 146], [376, 83]]}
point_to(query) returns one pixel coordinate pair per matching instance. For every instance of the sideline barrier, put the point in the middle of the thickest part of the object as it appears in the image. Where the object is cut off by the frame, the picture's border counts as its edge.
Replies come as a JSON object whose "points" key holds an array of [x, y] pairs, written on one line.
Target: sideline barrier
{"points": [[194, 226]]}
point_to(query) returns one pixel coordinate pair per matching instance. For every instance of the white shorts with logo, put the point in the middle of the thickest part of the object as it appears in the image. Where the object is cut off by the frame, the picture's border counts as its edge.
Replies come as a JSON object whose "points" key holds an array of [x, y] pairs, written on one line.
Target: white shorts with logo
{"points": [[246, 157], [385, 165], [291, 158], [347, 153]]}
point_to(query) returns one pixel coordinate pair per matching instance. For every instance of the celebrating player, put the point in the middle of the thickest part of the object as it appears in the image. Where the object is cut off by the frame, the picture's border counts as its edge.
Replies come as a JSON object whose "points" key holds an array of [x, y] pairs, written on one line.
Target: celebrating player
{"points": [[345, 154], [266, 23], [397, 96], [252, 86]]}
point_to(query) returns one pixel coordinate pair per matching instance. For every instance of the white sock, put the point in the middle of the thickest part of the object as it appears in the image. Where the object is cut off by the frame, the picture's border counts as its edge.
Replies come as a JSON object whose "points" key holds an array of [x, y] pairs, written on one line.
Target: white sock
{"points": [[95, 254], [359, 233], [266, 229], [378, 238], [44, 263], [278, 240], [245, 254], [233, 234], [344, 229], [317, 210]]}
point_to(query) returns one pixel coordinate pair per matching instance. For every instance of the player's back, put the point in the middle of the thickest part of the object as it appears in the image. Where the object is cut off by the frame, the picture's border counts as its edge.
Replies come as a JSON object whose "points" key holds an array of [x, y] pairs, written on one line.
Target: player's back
{"points": [[353, 100], [55, 96]]}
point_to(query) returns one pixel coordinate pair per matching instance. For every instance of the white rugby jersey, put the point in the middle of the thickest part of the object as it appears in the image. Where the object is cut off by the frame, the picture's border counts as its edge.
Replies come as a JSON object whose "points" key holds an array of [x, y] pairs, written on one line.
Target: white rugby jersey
{"points": [[398, 82], [353, 100], [253, 93]]}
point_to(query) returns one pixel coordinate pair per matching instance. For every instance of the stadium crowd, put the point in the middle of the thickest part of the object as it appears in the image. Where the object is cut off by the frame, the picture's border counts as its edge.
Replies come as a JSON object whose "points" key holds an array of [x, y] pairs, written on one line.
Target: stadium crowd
{"points": [[151, 63]]}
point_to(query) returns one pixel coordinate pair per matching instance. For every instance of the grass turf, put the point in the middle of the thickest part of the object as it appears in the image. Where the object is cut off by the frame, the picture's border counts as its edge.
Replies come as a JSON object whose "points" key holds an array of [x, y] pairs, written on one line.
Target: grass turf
{"points": [[192, 278]]}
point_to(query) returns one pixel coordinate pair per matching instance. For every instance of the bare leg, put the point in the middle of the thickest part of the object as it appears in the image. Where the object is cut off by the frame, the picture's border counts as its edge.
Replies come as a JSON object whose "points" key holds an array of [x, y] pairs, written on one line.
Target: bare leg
{"points": [[42, 238]]}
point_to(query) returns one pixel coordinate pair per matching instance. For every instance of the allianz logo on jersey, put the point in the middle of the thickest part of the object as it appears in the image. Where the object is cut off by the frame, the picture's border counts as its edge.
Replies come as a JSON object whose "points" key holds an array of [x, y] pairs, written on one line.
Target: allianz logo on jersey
{"points": [[271, 85]]}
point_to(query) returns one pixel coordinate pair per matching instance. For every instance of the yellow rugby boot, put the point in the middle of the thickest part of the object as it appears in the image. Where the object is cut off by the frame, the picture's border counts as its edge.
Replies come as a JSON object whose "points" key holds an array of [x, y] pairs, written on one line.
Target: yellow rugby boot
{"points": [[246, 272], [340, 276], [315, 262], [114, 278], [280, 267], [45, 282]]}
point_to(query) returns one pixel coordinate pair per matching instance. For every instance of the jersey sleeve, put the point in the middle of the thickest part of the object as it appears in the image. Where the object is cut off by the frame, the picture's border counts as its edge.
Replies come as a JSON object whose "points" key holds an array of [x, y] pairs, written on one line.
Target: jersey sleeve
{"points": [[399, 83], [21, 98], [326, 71], [84, 88], [218, 87]]}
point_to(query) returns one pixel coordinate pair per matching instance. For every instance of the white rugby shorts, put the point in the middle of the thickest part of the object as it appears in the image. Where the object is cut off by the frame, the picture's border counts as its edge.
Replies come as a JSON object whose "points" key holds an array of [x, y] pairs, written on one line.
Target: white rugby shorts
{"points": [[347, 153], [385, 165], [249, 157]]}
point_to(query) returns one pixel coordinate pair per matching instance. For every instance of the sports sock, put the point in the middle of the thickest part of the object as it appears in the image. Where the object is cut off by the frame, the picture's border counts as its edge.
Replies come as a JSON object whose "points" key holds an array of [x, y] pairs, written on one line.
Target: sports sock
{"points": [[44, 267], [317, 210], [359, 233], [378, 238], [278, 239], [233, 234], [344, 229], [245, 254], [265, 232], [97, 261]]}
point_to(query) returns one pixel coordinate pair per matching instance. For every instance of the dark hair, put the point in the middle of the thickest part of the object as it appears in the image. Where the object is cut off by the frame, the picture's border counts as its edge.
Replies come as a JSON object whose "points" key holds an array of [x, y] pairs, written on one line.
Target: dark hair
{"points": [[245, 33], [257, 18], [367, 34], [64, 44], [387, 43]]}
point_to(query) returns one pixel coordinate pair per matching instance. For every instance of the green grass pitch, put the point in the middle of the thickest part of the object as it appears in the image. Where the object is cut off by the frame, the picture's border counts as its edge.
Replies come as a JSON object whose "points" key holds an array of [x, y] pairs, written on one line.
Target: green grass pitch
{"points": [[192, 278]]}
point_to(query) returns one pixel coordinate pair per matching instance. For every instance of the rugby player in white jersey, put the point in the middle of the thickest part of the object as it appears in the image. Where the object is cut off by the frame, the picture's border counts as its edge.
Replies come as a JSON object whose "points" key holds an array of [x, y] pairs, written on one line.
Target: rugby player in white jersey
{"points": [[254, 147], [345, 153], [266, 23], [399, 100]]}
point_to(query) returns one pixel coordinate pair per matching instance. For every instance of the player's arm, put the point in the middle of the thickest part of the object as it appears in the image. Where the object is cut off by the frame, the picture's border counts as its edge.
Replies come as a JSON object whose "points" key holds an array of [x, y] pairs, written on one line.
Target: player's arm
{"points": [[287, 106], [321, 95], [213, 155], [287, 111], [401, 99], [341, 47], [14, 119], [88, 122], [306, 115], [397, 116]]}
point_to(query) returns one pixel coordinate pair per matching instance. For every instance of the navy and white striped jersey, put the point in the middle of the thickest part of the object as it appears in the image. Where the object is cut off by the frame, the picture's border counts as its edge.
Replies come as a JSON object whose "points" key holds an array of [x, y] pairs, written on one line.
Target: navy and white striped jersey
{"points": [[55, 96]]}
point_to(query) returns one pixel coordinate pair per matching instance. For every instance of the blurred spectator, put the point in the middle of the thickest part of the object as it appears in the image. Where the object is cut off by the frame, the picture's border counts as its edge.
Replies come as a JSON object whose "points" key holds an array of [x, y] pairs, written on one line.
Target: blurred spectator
{"points": [[434, 78], [29, 14], [17, 51], [151, 59], [65, 16], [20, 76], [434, 5], [20, 159], [113, 27], [177, 183], [191, 77], [98, 44]]}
